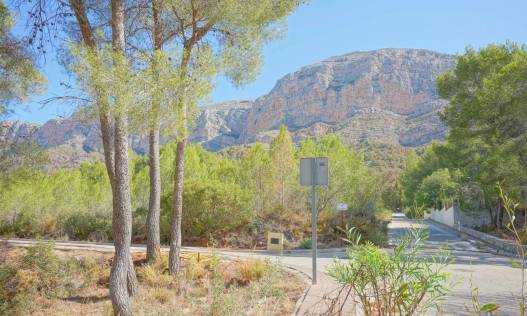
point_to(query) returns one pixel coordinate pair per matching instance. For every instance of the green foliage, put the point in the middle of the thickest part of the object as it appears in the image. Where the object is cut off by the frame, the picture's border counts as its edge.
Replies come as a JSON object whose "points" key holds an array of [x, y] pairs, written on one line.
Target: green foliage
{"points": [[416, 211], [485, 144], [282, 154], [222, 195], [57, 204], [211, 208], [305, 243], [437, 189], [18, 75], [402, 283]]}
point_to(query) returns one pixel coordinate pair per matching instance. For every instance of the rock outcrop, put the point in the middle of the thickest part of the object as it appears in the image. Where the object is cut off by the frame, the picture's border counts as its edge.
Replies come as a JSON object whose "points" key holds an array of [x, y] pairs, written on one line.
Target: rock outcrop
{"points": [[387, 95], [221, 125]]}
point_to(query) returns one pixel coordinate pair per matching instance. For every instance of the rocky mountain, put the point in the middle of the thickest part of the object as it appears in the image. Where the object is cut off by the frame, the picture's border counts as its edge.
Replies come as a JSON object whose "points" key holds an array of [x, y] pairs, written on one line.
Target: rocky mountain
{"points": [[385, 96]]}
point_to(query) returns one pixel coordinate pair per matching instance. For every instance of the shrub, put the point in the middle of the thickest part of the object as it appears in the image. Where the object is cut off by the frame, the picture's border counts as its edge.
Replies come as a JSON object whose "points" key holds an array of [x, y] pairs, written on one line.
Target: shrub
{"points": [[371, 229], [96, 272], [88, 226], [39, 271], [153, 276], [211, 208], [402, 283], [195, 270], [252, 270], [415, 211], [305, 243]]}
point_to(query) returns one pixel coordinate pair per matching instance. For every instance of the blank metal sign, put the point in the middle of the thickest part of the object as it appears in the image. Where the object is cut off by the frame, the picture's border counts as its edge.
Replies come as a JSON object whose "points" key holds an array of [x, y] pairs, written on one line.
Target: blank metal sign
{"points": [[321, 166]]}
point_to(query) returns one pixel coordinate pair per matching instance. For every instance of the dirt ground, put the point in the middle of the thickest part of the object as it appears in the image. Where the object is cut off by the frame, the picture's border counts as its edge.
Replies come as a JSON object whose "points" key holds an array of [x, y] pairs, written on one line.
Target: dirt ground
{"points": [[206, 286]]}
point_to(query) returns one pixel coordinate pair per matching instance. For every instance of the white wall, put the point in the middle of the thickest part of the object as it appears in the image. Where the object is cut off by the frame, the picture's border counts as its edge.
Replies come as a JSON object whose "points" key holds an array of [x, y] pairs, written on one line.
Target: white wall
{"points": [[444, 216]]}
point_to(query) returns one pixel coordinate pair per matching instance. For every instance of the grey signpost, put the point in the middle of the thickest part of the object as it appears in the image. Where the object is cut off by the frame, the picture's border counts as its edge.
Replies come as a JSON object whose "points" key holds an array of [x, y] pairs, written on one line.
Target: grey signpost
{"points": [[313, 172]]}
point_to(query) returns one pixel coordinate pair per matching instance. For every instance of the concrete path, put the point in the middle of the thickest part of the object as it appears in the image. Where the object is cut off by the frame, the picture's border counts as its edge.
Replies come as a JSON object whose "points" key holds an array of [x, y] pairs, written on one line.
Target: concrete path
{"points": [[316, 300], [474, 267]]}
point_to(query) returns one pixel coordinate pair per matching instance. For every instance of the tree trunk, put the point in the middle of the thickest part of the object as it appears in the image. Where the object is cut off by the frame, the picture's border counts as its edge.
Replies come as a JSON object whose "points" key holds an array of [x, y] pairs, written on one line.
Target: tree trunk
{"points": [[123, 281], [174, 262], [152, 221], [153, 244], [499, 214], [120, 277]]}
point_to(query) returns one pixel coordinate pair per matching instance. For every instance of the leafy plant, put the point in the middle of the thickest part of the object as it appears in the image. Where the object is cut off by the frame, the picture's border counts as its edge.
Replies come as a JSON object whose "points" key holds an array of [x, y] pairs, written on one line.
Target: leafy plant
{"points": [[415, 211], [398, 283], [305, 243], [510, 208]]}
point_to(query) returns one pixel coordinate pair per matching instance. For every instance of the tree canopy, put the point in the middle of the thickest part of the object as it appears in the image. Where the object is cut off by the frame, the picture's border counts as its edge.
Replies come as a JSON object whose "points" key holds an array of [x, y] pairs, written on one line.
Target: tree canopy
{"points": [[19, 77]]}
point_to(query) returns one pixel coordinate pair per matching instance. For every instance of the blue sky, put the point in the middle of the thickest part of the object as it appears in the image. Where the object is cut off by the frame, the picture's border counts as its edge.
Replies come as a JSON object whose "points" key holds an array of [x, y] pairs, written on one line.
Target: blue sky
{"points": [[325, 28]]}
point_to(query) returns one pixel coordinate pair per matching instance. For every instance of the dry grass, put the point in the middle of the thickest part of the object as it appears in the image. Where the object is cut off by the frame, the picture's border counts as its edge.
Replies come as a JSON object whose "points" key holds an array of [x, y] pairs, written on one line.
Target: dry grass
{"points": [[206, 286]]}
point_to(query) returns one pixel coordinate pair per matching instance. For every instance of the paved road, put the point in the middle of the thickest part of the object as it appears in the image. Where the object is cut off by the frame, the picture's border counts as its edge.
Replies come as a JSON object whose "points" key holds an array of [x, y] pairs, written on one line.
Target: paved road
{"points": [[492, 274]]}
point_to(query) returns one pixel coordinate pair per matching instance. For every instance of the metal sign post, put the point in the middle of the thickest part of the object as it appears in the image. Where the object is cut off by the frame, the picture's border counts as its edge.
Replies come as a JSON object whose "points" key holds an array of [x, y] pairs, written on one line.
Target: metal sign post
{"points": [[313, 172], [341, 207]]}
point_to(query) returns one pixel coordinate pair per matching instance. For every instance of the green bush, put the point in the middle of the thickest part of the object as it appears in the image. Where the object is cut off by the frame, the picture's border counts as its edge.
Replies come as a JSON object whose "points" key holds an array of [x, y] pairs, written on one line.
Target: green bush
{"points": [[210, 208], [371, 229], [305, 243], [415, 211], [402, 283], [88, 226]]}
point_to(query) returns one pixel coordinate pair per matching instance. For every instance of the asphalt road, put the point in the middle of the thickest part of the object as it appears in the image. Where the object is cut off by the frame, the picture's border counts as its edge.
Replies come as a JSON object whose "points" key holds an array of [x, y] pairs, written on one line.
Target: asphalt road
{"points": [[474, 267]]}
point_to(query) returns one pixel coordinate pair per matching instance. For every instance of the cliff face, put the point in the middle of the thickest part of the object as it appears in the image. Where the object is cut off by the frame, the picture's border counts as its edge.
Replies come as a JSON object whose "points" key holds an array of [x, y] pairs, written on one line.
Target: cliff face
{"points": [[221, 125], [386, 96]]}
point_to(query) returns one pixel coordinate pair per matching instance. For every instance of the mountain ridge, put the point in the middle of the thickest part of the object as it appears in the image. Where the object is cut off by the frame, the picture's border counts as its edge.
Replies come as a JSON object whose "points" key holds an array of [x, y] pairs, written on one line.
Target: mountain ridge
{"points": [[386, 95]]}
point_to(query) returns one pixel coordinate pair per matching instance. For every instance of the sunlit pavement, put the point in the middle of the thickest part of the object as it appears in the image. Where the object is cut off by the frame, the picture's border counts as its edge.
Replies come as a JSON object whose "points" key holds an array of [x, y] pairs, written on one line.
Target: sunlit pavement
{"points": [[474, 267]]}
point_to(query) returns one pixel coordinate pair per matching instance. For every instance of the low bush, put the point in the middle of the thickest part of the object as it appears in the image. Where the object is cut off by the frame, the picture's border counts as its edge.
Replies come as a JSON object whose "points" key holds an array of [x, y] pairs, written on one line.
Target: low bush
{"points": [[415, 211], [252, 270], [152, 276], [371, 230], [211, 209], [305, 243], [39, 271], [402, 283], [88, 226]]}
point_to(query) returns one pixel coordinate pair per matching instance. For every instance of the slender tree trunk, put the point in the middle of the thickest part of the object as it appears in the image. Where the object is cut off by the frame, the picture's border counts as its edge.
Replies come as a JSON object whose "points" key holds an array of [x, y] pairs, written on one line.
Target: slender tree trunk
{"points": [[174, 262], [153, 239], [123, 281], [153, 244], [120, 286], [122, 277], [499, 214]]}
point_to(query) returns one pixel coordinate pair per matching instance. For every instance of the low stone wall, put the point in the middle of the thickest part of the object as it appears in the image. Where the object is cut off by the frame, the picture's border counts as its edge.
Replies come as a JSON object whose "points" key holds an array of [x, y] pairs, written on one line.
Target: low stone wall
{"points": [[498, 243]]}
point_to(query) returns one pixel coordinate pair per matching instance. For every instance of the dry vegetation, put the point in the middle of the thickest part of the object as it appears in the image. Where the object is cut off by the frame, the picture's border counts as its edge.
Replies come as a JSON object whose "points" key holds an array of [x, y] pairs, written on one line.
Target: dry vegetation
{"points": [[43, 281]]}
